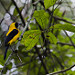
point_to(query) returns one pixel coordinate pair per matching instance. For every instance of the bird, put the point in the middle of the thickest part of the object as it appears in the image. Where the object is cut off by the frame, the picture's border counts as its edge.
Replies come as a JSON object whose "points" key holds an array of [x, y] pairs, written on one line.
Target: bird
{"points": [[11, 36]]}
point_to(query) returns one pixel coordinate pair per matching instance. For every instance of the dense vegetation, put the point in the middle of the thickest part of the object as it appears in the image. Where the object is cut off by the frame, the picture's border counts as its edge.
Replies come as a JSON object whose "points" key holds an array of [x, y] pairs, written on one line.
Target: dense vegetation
{"points": [[45, 45]]}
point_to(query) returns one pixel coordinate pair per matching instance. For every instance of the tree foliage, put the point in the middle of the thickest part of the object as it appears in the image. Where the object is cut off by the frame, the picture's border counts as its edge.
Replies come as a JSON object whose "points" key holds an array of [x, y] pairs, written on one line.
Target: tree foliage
{"points": [[46, 46]]}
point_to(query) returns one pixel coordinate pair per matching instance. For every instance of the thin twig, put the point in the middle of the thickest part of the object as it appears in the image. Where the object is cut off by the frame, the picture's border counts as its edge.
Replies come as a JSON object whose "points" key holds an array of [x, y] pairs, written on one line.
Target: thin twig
{"points": [[37, 50], [39, 69], [58, 18], [26, 25], [61, 43], [55, 17], [40, 56], [58, 60], [25, 28], [23, 64], [7, 10], [6, 63], [19, 58], [61, 70], [22, 19], [1, 21], [36, 2], [70, 39]]}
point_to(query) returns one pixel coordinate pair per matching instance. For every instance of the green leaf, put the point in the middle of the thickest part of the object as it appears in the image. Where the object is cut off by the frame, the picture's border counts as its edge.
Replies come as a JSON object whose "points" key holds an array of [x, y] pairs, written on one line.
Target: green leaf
{"points": [[66, 26], [52, 38], [15, 11], [58, 13], [49, 3], [42, 18], [30, 38]]}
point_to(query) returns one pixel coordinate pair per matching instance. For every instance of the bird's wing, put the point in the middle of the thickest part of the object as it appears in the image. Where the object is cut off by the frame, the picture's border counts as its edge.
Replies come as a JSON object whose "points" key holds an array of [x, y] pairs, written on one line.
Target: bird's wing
{"points": [[11, 35]]}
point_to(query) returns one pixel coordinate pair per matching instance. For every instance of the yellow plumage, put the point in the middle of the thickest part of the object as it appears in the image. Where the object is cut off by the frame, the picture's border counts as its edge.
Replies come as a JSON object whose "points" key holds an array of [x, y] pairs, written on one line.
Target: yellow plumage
{"points": [[11, 36], [11, 28]]}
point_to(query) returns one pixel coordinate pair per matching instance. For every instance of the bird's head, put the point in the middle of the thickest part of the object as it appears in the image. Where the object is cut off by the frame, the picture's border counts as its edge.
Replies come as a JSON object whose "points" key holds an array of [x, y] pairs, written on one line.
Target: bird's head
{"points": [[17, 24], [14, 25]]}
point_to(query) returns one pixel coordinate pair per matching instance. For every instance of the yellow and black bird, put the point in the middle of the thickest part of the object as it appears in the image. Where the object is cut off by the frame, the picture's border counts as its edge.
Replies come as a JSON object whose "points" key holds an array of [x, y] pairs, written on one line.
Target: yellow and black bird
{"points": [[11, 36]]}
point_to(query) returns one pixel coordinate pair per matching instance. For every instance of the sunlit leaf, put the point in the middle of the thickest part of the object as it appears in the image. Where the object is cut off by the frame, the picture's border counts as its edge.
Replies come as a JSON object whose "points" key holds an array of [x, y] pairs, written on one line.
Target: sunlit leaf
{"points": [[49, 3], [15, 11], [42, 18], [66, 26], [52, 38], [30, 38]]}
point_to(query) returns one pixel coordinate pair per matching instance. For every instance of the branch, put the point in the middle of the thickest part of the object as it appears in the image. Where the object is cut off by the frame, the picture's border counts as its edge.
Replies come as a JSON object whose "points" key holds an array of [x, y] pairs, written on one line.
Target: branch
{"points": [[55, 17], [39, 69], [5, 10], [70, 8], [37, 50], [1, 21], [6, 63], [5, 7], [57, 59], [25, 28], [23, 21], [20, 65], [61, 70], [36, 2], [26, 25], [20, 38], [65, 43], [19, 57], [58, 18], [70, 39], [23, 64]]}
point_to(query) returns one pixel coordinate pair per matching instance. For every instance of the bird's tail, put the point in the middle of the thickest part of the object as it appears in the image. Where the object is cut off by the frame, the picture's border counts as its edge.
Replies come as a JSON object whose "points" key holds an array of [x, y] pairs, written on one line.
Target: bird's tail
{"points": [[6, 48]]}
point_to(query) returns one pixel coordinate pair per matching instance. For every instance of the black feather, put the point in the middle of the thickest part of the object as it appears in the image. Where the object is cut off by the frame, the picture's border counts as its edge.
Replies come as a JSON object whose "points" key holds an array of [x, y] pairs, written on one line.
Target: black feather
{"points": [[16, 25], [7, 39], [10, 36], [6, 48]]}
